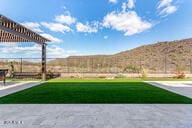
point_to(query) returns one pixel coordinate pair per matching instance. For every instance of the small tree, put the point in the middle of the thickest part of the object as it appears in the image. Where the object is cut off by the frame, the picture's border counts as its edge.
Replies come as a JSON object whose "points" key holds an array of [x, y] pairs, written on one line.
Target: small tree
{"points": [[144, 73], [180, 69]]}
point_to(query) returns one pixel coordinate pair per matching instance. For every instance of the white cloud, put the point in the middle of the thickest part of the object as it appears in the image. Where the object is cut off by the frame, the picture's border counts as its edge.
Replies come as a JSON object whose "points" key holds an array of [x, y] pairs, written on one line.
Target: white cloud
{"points": [[131, 4], [86, 28], [168, 10], [105, 37], [51, 38], [53, 51], [56, 51], [124, 7], [165, 7], [65, 19], [20, 49], [34, 26], [9, 44], [164, 3], [113, 1], [56, 27], [128, 22]]}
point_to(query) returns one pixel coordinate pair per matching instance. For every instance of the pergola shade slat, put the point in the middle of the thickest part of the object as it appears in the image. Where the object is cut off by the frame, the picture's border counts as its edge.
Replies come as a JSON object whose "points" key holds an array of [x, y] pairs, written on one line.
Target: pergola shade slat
{"points": [[17, 30], [11, 31]]}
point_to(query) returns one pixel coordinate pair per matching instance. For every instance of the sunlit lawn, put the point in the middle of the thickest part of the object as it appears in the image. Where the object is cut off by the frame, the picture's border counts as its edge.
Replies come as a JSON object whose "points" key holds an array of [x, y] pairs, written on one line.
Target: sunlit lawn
{"points": [[94, 91]]}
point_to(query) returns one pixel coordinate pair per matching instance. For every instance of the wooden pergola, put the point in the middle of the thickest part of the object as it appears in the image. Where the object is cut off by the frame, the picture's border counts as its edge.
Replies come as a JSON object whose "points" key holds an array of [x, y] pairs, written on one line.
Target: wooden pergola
{"points": [[11, 31]]}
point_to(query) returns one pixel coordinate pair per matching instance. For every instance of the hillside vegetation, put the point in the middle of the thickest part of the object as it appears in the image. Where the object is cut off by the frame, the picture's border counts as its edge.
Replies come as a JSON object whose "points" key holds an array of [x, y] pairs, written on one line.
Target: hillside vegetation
{"points": [[173, 56]]}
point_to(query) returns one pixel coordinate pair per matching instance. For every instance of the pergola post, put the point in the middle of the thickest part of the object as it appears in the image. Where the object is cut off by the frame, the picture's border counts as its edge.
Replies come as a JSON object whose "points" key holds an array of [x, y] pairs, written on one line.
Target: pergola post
{"points": [[44, 62]]}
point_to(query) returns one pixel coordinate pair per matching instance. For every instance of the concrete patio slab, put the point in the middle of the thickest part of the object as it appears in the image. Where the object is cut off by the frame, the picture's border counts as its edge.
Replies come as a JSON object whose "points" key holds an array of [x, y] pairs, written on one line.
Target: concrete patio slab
{"points": [[96, 116], [180, 87], [12, 87]]}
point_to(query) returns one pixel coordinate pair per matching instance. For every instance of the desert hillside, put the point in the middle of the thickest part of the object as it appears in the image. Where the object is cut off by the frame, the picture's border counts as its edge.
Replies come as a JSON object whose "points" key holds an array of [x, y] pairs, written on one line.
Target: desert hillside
{"points": [[159, 57]]}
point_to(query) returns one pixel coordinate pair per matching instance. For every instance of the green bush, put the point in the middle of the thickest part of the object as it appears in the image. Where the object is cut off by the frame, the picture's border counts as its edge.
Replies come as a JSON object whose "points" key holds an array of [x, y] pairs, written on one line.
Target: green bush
{"points": [[131, 68], [180, 69]]}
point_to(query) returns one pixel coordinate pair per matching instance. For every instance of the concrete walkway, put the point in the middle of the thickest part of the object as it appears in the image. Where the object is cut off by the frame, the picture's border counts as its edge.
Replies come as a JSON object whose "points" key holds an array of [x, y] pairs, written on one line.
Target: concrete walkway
{"points": [[96, 116], [181, 87], [12, 87]]}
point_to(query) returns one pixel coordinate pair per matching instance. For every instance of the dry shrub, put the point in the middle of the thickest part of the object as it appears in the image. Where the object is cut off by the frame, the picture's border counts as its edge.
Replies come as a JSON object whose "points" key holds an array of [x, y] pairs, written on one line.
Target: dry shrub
{"points": [[102, 76], [180, 76], [72, 76], [118, 76]]}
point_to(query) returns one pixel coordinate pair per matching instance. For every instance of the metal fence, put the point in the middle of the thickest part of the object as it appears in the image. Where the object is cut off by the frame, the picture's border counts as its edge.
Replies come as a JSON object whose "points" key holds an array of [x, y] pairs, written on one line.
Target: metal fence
{"points": [[101, 65]]}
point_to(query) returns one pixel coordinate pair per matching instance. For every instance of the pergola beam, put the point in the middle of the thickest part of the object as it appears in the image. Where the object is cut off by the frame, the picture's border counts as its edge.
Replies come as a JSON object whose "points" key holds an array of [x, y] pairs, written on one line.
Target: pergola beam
{"points": [[14, 28], [9, 27], [22, 36], [11, 31]]}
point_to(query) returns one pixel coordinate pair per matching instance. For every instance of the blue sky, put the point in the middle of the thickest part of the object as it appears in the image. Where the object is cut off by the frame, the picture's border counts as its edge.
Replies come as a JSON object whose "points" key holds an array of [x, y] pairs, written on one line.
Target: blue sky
{"points": [[87, 27]]}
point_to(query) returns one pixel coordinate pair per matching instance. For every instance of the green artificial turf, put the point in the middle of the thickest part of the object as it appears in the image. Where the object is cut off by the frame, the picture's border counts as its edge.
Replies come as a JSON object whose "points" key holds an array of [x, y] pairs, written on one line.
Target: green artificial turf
{"points": [[94, 91]]}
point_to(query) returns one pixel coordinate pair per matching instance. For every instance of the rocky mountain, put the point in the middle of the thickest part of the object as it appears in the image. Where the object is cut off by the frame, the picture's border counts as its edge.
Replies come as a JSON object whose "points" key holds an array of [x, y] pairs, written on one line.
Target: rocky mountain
{"points": [[159, 57]]}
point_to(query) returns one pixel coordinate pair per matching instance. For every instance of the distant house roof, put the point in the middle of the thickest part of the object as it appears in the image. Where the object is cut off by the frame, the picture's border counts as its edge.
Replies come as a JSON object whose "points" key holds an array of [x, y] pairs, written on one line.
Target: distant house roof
{"points": [[10, 31]]}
